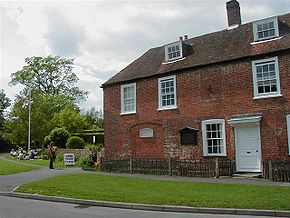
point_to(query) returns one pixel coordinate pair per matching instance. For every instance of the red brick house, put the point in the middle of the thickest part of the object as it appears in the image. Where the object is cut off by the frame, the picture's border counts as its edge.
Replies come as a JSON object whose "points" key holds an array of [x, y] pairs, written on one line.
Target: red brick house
{"points": [[223, 94]]}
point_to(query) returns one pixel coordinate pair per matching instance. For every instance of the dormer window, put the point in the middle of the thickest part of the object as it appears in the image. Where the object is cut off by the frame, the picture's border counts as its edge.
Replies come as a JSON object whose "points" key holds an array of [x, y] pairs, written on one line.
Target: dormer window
{"points": [[173, 51], [265, 29]]}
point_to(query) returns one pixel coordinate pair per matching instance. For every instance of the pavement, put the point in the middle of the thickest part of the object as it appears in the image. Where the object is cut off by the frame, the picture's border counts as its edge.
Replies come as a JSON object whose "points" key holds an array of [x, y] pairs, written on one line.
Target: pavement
{"points": [[8, 183]]}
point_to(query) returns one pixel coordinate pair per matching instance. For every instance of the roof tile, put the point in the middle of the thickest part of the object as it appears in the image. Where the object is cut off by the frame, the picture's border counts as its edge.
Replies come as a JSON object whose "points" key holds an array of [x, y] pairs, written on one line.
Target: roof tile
{"points": [[207, 49]]}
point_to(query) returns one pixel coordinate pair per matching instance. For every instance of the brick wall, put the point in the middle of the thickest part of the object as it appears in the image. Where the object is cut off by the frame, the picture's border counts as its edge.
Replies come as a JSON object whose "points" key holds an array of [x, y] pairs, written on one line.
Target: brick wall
{"points": [[214, 92]]}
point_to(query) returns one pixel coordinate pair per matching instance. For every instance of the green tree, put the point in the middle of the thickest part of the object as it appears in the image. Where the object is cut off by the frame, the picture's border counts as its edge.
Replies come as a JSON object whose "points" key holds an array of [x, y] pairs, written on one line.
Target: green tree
{"points": [[15, 128], [71, 119], [59, 137], [43, 109], [51, 75], [54, 88], [94, 117], [4, 104]]}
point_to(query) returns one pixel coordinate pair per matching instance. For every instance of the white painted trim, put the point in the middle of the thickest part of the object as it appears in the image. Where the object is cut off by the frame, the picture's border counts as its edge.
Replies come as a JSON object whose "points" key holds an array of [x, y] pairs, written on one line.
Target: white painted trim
{"points": [[268, 40], [243, 120], [170, 62], [122, 99], [204, 137], [127, 113], [160, 107], [267, 20], [167, 108], [267, 96], [288, 131], [255, 82]]}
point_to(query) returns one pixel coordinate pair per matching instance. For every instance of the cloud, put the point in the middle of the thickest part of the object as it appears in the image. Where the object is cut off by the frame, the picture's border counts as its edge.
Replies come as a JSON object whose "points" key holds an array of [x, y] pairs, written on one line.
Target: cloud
{"points": [[255, 10], [63, 36], [103, 37], [89, 81]]}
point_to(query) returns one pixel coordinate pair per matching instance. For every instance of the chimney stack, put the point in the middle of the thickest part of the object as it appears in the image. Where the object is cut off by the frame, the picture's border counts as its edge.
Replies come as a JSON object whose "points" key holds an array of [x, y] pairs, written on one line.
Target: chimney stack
{"points": [[233, 12]]}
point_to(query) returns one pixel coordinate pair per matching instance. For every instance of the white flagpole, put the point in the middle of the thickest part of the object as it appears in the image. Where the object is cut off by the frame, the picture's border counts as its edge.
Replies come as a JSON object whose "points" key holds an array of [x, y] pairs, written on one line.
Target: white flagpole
{"points": [[29, 118]]}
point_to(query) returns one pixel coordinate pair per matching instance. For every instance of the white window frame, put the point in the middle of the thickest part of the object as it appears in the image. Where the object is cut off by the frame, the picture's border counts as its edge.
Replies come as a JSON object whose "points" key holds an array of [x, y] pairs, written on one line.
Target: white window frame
{"points": [[264, 21], [204, 137], [122, 99], [160, 80], [288, 131], [172, 45], [255, 80]]}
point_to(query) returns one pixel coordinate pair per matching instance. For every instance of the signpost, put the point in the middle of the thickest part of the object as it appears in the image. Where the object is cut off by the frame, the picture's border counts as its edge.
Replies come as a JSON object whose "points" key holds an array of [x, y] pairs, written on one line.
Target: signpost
{"points": [[69, 159]]}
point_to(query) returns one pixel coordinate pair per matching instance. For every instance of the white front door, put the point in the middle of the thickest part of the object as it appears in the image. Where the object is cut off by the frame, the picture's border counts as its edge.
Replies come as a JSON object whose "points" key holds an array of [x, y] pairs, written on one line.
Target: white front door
{"points": [[248, 148]]}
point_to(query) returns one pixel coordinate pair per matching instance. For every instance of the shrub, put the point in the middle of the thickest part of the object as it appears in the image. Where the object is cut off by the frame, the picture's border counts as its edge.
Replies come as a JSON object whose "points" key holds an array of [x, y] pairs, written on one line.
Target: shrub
{"points": [[86, 163], [59, 157], [75, 142], [95, 148], [46, 141], [59, 137]]}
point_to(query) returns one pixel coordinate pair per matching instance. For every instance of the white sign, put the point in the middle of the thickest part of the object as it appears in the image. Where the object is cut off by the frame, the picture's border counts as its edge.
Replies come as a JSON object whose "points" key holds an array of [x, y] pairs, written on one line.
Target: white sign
{"points": [[69, 159], [146, 133]]}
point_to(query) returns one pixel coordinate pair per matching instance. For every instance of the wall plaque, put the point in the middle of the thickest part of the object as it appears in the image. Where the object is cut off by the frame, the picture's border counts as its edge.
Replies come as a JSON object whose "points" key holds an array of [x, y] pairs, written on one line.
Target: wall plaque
{"points": [[146, 133]]}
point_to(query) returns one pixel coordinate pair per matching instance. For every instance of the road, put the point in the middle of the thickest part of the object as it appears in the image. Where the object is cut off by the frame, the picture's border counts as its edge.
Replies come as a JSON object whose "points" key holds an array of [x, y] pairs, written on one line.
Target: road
{"points": [[26, 208]]}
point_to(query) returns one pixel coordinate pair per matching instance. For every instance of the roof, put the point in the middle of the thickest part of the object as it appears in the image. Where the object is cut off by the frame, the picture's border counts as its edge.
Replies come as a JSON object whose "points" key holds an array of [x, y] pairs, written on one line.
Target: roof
{"points": [[217, 47]]}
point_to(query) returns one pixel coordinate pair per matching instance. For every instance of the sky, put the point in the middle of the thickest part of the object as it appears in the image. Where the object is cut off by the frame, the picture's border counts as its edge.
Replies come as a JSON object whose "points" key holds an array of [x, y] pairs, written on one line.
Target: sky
{"points": [[104, 37]]}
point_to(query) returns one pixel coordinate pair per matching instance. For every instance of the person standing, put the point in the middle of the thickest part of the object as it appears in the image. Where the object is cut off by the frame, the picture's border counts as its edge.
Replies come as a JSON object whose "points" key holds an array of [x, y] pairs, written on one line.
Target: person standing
{"points": [[51, 155]]}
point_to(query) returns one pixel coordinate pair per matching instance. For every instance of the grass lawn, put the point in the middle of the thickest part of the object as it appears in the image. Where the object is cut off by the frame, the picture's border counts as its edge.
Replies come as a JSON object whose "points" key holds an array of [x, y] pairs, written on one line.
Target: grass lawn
{"points": [[40, 162], [133, 190], [7, 167]]}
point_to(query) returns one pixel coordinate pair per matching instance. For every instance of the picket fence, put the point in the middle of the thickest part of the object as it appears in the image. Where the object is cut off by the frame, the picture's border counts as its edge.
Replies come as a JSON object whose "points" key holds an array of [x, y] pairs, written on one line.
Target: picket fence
{"points": [[276, 170], [187, 168]]}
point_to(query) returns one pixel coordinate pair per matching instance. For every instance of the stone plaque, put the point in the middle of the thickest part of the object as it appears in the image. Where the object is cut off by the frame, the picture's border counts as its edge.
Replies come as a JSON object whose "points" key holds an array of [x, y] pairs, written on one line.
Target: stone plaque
{"points": [[146, 133]]}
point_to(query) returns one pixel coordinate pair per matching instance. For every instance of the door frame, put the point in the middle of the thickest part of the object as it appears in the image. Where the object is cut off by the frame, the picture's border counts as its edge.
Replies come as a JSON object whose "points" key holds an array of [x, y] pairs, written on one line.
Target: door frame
{"points": [[247, 121]]}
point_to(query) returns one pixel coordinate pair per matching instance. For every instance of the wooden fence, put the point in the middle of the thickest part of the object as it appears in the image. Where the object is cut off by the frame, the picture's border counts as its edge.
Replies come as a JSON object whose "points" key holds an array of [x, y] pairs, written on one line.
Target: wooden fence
{"points": [[186, 168], [276, 170]]}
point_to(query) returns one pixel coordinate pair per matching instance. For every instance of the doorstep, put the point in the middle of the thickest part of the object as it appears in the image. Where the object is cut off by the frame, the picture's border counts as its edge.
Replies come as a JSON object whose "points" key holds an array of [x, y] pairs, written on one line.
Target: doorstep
{"points": [[247, 175]]}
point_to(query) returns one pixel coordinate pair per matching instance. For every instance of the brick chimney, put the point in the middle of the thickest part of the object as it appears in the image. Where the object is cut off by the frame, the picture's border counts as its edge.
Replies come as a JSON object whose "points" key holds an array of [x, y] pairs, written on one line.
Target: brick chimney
{"points": [[233, 11]]}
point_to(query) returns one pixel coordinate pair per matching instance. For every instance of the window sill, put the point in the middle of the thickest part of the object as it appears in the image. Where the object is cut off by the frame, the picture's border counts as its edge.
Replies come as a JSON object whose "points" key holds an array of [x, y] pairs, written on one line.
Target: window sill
{"points": [[170, 108], [174, 60], [215, 155], [128, 113], [265, 40], [268, 96]]}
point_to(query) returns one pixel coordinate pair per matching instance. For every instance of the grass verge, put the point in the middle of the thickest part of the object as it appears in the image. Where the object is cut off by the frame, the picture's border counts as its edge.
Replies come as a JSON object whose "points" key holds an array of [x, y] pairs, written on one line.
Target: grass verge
{"points": [[146, 191], [40, 162], [7, 167]]}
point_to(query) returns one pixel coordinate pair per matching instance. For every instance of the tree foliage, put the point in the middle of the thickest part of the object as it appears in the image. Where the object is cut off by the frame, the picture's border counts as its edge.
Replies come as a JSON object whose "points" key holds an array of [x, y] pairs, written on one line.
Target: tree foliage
{"points": [[43, 109], [54, 92], [75, 142], [71, 119], [94, 117], [51, 75], [4, 104], [59, 137]]}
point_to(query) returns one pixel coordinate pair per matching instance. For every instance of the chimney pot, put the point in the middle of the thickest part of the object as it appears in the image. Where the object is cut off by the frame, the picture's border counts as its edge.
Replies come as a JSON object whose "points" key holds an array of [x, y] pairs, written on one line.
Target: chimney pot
{"points": [[185, 37], [180, 38], [233, 13]]}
